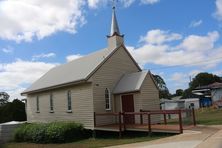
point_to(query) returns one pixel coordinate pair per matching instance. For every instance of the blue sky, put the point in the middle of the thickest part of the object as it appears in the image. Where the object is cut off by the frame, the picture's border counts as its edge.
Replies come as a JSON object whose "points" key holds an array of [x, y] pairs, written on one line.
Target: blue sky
{"points": [[37, 35]]}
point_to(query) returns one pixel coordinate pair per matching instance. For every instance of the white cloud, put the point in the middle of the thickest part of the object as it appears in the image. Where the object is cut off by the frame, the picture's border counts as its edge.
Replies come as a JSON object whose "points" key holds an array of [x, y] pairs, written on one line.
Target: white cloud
{"points": [[43, 55], [15, 93], [149, 1], [195, 23], [47, 17], [23, 20], [195, 42], [218, 72], [179, 77], [127, 3], [178, 80], [94, 4], [14, 77], [73, 57], [218, 13], [157, 36], [193, 73], [164, 51], [192, 50], [7, 49]]}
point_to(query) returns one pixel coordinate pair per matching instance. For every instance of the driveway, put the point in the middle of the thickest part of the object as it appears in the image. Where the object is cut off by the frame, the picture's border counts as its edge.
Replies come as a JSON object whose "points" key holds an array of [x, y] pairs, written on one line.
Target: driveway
{"points": [[198, 137]]}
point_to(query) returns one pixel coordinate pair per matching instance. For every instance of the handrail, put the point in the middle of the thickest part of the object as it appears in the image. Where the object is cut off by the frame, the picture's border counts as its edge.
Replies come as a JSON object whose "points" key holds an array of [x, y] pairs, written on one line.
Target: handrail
{"points": [[121, 117], [145, 112], [136, 113]]}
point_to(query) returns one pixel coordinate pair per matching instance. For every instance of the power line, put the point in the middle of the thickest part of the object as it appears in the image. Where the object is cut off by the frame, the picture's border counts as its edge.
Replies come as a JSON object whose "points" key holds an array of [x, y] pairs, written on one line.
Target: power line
{"points": [[195, 63]]}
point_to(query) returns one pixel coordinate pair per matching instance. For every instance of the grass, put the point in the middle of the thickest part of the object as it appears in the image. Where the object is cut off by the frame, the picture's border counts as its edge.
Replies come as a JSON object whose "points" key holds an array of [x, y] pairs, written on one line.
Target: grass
{"points": [[209, 116], [206, 116], [203, 116], [104, 139]]}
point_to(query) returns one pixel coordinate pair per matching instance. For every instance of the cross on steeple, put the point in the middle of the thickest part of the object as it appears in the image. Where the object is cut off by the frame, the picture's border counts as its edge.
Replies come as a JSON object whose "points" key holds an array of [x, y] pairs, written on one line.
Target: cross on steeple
{"points": [[114, 3]]}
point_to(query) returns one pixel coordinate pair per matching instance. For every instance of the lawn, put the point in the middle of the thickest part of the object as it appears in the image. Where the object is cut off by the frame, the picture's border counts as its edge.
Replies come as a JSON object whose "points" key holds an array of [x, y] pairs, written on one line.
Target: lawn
{"points": [[206, 116], [209, 116], [203, 117], [104, 139]]}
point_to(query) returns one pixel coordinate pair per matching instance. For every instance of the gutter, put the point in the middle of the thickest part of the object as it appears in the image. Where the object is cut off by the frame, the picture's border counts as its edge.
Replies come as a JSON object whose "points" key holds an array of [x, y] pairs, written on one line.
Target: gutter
{"points": [[54, 87]]}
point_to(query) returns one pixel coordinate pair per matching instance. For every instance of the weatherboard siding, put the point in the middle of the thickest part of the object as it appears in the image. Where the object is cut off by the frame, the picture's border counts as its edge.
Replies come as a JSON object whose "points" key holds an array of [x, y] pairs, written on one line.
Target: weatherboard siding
{"points": [[82, 109], [107, 76], [147, 99]]}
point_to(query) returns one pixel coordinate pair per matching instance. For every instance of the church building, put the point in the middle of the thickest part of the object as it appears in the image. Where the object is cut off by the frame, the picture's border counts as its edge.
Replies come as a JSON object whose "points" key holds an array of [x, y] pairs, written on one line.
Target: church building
{"points": [[106, 81]]}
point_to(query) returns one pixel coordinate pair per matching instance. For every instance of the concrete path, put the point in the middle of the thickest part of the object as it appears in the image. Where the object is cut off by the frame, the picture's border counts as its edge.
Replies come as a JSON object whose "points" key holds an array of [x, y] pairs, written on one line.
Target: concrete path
{"points": [[198, 137], [214, 141]]}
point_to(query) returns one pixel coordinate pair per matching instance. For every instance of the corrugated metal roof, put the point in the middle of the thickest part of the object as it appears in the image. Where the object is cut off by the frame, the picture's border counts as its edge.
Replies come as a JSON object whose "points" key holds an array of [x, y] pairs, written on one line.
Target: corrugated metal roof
{"points": [[73, 71], [130, 82], [216, 85], [210, 86]]}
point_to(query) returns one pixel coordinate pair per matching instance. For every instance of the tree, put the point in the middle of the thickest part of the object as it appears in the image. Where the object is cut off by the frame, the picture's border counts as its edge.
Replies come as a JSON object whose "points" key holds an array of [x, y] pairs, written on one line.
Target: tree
{"points": [[3, 98], [163, 90], [13, 111], [179, 92], [202, 79]]}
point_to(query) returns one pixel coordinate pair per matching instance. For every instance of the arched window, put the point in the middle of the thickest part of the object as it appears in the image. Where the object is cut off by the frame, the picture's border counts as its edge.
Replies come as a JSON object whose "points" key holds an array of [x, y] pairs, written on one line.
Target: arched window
{"points": [[107, 99]]}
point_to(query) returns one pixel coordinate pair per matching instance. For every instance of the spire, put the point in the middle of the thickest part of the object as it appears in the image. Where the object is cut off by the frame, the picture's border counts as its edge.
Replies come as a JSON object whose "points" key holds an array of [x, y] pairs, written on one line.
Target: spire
{"points": [[114, 24], [115, 39]]}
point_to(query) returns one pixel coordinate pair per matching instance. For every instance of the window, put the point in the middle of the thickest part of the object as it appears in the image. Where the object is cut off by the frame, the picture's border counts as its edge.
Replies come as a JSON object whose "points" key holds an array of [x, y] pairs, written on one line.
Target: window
{"points": [[51, 103], [107, 99], [37, 104], [69, 101]]}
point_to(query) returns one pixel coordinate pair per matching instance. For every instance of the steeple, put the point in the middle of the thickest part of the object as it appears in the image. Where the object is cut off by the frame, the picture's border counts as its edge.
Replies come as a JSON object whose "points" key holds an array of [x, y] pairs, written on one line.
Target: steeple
{"points": [[114, 24], [115, 39]]}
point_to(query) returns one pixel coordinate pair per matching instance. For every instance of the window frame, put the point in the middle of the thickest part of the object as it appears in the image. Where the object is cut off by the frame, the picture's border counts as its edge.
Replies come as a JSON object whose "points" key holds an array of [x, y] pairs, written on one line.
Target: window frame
{"points": [[107, 99], [51, 103], [37, 105], [69, 101]]}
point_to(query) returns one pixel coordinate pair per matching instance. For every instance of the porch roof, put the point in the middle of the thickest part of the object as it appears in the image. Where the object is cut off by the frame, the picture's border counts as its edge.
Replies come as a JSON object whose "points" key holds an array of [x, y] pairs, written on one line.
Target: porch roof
{"points": [[130, 82]]}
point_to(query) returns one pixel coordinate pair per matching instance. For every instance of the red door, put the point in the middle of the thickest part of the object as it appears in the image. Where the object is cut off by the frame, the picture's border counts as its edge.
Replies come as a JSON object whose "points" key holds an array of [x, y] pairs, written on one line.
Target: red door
{"points": [[128, 106]]}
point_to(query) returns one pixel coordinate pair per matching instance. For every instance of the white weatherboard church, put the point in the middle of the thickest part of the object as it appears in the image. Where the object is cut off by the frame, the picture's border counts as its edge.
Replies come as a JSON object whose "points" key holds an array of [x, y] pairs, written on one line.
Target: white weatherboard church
{"points": [[108, 80]]}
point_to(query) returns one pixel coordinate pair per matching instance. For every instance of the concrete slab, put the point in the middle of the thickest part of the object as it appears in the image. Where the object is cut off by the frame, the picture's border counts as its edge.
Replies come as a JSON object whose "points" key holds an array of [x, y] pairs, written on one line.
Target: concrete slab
{"points": [[214, 141], [200, 137]]}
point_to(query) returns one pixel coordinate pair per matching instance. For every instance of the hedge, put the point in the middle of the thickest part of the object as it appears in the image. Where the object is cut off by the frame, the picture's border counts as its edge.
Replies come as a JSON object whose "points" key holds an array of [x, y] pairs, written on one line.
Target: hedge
{"points": [[55, 132]]}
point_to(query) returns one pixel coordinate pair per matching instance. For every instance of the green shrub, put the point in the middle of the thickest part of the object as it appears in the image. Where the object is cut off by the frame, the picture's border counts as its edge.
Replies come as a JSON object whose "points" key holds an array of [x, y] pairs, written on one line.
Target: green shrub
{"points": [[55, 132], [64, 132]]}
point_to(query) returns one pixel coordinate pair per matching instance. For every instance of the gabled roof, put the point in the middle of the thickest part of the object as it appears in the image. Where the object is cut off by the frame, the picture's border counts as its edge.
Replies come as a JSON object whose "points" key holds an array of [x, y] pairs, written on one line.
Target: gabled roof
{"points": [[130, 82], [76, 71]]}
